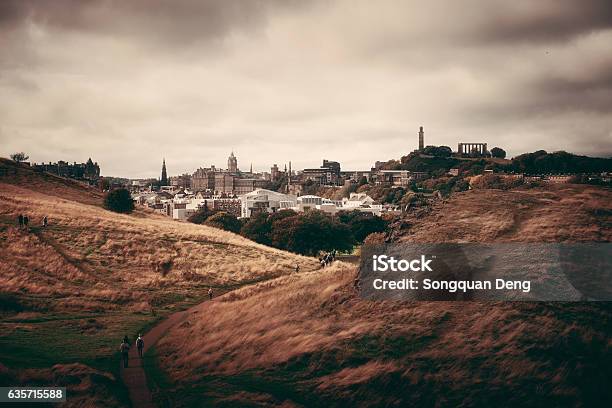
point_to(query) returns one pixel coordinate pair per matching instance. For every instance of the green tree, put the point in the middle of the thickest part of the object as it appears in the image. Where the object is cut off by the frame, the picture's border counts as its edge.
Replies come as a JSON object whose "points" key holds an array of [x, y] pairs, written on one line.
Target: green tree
{"points": [[202, 214], [311, 232], [224, 221], [498, 152], [119, 200], [362, 224], [257, 229], [280, 215]]}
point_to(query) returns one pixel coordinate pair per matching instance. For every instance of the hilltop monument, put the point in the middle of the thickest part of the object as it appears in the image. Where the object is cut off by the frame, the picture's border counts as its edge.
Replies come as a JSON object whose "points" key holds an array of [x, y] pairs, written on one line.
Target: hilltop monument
{"points": [[421, 139]]}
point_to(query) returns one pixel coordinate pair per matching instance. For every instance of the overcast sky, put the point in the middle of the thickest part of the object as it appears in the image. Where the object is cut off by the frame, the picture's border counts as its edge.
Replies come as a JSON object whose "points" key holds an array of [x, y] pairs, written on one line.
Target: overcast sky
{"points": [[130, 82]]}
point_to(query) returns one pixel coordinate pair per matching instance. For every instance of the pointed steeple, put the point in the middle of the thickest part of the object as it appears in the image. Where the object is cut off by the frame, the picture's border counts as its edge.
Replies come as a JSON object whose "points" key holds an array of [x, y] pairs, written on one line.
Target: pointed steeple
{"points": [[164, 176]]}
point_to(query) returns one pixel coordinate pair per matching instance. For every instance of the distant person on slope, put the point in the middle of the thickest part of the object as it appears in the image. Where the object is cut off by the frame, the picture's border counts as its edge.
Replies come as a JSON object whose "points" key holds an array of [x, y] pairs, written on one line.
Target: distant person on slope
{"points": [[20, 220], [210, 293], [125, 349], [45, 221], [297, 267], [140, 345], [25, 221]]}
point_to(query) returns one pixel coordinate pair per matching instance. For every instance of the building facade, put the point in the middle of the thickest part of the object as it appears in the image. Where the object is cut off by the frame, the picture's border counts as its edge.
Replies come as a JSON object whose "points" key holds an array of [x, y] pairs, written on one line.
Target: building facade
{"points": [[88, 171], [265, 201], [232, 163]]}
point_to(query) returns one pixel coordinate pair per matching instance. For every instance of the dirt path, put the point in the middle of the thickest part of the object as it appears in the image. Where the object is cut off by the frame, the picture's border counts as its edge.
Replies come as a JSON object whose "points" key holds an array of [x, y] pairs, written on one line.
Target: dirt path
{"points": [[134, 376]]}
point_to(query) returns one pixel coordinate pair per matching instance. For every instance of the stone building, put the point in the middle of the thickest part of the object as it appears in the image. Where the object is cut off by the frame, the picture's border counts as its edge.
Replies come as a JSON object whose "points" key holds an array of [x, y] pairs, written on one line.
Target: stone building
{"points": [[327, 174], [88, 171], [232, 163], [203, 179], [181, 182], [473, 149], [274, 173], [229, 205]]}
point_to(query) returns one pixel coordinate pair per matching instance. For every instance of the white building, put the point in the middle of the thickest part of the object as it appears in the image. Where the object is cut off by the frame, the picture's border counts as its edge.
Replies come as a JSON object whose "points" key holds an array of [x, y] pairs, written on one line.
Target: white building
{"points": [[270, 201], [312, 202], [182, 213], [308, 202], [361, 202], [263, 200]]}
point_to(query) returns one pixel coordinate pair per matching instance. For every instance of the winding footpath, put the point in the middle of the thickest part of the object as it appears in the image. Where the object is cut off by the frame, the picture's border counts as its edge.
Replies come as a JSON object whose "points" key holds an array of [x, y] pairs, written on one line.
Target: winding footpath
{"points": [[134, 376]]}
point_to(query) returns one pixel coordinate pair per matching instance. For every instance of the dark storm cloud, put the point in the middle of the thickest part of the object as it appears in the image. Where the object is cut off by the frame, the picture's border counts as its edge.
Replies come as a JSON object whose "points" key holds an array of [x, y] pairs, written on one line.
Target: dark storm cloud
{"points": [[297, 80], [175, 23], [543, 20]]}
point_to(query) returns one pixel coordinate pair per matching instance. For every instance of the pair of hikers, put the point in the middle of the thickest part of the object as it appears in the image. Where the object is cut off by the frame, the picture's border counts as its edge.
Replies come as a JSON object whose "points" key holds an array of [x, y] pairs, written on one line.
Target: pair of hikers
{"points": [[125, 349], [24, 221], [328, 258]]}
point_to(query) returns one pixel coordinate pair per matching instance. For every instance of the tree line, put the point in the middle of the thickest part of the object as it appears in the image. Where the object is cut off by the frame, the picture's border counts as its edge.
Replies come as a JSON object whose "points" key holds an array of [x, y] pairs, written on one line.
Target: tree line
{"points": [[305, 233]]}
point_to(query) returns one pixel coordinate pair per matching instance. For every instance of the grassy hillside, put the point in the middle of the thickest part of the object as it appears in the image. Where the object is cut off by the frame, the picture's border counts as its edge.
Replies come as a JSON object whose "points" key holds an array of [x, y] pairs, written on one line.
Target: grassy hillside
{"points": [[309, 340], [47, 183], [555, 213], [69, 292]]}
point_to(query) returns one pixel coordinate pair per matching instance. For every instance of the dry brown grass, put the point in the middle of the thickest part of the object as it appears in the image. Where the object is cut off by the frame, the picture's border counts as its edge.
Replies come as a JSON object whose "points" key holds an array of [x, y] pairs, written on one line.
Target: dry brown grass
{"points": [[93, 258], [49, 184], [85, 386], [311, 333], [71, 291], [556, 213], [307, 339]]}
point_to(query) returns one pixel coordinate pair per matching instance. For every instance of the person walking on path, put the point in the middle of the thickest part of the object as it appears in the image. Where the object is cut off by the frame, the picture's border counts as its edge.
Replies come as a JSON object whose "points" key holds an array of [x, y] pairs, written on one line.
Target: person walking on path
{"points": [[210, 293], [20, 221], [125, 349], [140, 345], [45, 221]]}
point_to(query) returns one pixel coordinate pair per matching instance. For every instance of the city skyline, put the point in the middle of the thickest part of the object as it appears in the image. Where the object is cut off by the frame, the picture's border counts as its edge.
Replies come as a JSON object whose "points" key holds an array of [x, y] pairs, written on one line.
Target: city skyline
{"points": [[130, 84]]}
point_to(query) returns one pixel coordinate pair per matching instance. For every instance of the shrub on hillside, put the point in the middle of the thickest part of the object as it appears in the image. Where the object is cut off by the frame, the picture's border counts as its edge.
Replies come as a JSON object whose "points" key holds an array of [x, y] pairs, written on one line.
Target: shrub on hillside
{"points": [[412, 200], [362, 224], [498, 152], [495, 181], [19, 157], [119, 200], [224, 221], [559, 162], [257, 229], [376, 238], [447, 185], [201, 215], [310, 233]]}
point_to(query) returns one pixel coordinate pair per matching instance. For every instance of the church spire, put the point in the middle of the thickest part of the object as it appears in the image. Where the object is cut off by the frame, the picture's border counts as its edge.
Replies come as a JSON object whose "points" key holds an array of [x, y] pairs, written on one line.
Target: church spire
{"points": [[164, 176]]}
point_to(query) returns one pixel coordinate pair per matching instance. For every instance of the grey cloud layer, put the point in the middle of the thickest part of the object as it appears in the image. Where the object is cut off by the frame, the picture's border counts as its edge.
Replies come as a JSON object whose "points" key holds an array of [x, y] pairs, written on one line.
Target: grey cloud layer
{"points": [[299, 80]]}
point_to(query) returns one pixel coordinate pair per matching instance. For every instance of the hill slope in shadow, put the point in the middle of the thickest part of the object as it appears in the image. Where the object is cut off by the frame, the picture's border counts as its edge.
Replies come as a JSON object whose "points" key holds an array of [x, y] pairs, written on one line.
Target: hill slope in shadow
{"points": [[309, 340]]}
